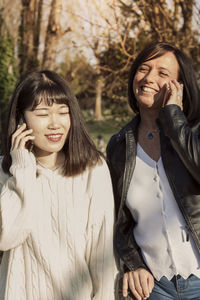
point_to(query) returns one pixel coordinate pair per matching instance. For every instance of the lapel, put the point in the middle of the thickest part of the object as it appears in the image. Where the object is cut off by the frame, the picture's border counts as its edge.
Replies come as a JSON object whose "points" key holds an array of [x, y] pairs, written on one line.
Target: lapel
{"points": [[130, 159]]}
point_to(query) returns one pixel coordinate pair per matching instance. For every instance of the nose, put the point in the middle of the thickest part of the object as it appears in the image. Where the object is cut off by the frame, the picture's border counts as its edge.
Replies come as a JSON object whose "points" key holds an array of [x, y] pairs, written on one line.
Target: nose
{"points": [[53, 122], [150, 76]]}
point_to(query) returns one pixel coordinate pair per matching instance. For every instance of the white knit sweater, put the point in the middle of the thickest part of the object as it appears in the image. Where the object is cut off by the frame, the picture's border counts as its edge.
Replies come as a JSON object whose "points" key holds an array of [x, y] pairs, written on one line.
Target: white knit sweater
{"points": [[56, 233]]}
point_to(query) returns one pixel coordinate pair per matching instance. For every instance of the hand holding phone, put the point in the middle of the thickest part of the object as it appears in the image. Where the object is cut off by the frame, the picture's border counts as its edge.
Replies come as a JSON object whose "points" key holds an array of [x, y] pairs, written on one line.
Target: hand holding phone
{"points": [[176, 93], [22, 138]]}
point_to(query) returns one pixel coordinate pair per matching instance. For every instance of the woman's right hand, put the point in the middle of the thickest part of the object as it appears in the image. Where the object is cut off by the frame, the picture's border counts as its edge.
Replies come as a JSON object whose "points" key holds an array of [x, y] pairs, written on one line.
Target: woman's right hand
{"points": [[140, 282], [20, 137]]}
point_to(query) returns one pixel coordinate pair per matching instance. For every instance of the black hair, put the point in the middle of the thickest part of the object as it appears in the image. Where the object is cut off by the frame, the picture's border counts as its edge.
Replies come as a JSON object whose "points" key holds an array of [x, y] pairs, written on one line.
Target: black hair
{"points": [[80, 151]]}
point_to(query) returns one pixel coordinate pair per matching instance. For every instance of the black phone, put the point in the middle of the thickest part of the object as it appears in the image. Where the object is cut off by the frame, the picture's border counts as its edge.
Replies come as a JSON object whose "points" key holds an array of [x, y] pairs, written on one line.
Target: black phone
{"points": [[29, 144], [22, 120]]}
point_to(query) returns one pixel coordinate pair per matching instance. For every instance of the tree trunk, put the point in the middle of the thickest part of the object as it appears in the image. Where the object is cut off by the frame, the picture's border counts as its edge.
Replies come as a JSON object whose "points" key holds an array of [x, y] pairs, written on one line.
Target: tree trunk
{"points": [[37, 31], [176, 7], [165, 24], [187, 11], [98, 101], [29, 34], [52, 35]]}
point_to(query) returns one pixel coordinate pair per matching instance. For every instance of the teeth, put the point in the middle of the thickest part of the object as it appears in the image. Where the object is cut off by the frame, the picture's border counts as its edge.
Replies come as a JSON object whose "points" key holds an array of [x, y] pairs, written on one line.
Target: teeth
{"points": [[54, 136], [147, 89]]}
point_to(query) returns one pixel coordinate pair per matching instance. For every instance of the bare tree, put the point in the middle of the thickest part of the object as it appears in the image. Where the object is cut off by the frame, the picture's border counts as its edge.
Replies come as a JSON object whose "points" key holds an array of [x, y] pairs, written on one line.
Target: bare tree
{"points": [[100, 82], [10, 11], [29, 33], [92, 38], [164, 23], [53, 35]]}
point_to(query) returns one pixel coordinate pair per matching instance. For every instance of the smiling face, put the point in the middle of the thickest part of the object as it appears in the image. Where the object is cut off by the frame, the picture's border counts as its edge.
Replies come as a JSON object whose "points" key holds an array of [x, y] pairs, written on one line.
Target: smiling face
{"points": [[50, 126], [151, 76]]}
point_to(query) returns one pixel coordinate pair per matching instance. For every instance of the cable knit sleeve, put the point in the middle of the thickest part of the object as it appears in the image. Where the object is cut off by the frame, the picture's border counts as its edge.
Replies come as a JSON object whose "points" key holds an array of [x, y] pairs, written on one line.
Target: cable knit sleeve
{"points": [[17, 200], [100, 234]]}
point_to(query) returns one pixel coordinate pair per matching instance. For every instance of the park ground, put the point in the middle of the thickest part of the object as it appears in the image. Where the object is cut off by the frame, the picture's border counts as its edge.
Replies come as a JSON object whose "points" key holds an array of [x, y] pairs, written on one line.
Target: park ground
{"points": [[105, 129]]}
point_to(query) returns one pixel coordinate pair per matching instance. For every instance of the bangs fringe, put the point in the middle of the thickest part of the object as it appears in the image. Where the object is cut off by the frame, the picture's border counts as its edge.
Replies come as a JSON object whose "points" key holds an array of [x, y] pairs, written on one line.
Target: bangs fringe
{"points": [[50, 96]]}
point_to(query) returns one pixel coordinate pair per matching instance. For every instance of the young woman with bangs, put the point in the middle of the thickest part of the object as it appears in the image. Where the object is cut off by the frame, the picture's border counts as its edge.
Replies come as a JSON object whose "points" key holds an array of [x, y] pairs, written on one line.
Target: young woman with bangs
{"points": [[56, 199]]}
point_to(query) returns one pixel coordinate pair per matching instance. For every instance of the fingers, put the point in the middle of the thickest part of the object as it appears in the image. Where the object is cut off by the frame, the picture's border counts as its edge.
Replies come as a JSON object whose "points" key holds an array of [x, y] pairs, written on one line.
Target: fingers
{"points": [[128, 283], [20, 137], [141, 287], [150, 283], [125, 285], [175, 94], [176, 87], [140, 282]]}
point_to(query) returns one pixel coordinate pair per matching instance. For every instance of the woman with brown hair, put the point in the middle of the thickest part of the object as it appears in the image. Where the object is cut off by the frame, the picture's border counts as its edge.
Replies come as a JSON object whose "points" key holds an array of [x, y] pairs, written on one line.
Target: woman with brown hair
{"points": [[155, 168]]}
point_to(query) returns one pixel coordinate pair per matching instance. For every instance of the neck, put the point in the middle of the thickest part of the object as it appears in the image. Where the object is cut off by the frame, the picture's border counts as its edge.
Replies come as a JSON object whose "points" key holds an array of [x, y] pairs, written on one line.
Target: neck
{"points": [[50, 160], [148, 120]]}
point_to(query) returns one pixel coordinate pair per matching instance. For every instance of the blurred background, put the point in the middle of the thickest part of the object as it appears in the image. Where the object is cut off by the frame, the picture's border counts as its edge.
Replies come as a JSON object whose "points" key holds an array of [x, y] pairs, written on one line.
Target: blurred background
{"points": [[92, 43]]}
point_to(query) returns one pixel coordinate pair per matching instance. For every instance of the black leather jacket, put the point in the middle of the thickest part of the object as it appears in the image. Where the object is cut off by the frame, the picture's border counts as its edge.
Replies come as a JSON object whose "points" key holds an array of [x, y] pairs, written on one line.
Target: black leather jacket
{"points": [[180, 151]]}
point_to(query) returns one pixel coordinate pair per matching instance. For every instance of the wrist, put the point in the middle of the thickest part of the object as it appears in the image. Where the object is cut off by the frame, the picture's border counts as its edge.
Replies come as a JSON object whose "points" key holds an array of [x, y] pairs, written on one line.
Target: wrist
{"points": [[22, 158]]}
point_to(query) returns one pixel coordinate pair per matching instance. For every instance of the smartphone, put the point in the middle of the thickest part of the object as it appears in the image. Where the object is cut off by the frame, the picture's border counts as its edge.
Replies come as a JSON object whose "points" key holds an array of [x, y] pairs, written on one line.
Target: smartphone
{"points": [[22, 120], [29, 144]]}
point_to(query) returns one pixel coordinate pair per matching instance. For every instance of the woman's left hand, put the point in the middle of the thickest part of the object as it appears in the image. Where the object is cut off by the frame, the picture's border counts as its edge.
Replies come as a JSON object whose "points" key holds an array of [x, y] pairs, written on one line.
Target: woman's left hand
{"points": [[174, 94]]}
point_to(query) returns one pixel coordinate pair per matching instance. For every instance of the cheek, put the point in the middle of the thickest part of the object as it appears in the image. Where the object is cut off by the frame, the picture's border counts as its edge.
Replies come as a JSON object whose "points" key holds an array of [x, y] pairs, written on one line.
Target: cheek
{"points": [[36, 126], [162, 82], [66, 124], [39, 137], [136, 81]]}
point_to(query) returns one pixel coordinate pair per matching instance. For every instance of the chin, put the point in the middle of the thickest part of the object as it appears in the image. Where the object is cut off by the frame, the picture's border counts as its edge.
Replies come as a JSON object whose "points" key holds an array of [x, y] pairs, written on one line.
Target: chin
{"points": [[55, 149], [50, 150], [148, 103]]}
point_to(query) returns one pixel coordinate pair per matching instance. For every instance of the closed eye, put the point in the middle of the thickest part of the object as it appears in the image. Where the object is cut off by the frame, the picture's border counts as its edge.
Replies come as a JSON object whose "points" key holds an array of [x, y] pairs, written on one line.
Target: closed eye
{"points": [[143, 69], [164, 74]]}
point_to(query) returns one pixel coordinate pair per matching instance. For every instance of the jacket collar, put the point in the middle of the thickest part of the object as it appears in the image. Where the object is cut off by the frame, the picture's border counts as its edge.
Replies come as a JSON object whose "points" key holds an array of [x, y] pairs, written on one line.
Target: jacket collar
{"points": [[129, 133], [130, 128]]}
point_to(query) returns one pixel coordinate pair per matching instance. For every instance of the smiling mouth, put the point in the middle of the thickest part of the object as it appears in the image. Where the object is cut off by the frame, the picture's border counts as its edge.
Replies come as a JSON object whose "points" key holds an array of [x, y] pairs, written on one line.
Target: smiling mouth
{"points": [[54, 137], [146, 89]]}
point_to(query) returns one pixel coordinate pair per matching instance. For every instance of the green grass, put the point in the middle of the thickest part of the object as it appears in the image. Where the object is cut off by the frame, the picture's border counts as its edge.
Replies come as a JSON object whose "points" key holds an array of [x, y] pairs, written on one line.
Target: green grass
{"points": [[104, 128]]}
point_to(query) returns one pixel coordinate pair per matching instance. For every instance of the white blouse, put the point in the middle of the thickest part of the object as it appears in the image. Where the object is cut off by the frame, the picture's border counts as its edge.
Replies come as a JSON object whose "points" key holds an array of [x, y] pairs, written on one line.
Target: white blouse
{"points": [[57, 233], [161, 233]]}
